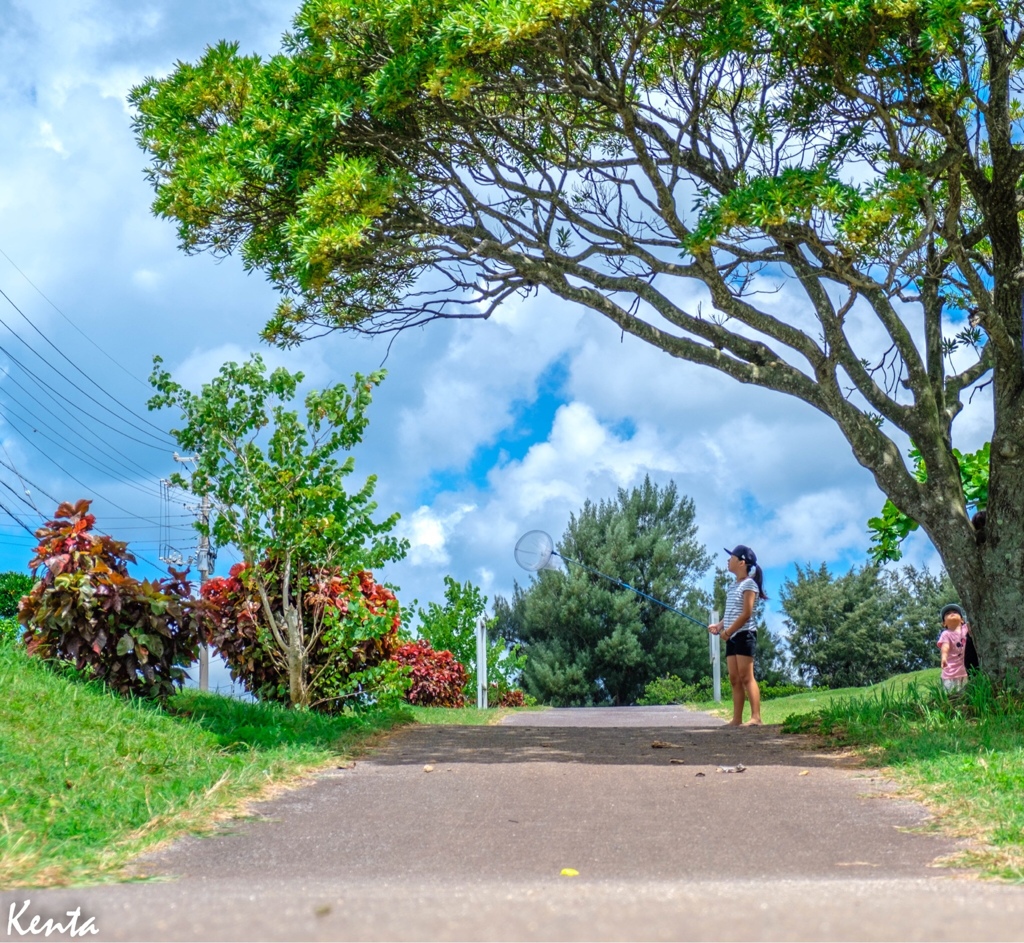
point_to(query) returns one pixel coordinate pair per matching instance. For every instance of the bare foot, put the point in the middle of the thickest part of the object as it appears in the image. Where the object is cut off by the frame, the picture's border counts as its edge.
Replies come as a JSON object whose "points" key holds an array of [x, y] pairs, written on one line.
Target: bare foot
{"points": [[753, 723], [734, 723]]}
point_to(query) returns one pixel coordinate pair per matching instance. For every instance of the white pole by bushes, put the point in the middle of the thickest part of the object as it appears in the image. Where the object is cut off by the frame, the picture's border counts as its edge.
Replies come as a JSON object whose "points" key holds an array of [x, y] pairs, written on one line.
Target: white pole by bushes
{"points": [[481, 663]]}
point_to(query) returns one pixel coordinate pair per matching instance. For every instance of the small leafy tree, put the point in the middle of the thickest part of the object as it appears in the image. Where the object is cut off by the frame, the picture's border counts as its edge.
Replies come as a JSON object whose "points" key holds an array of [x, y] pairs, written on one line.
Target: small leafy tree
{"points": [[355, 624], [452, 627], [136, 637], [863, 626], [277, 489]]}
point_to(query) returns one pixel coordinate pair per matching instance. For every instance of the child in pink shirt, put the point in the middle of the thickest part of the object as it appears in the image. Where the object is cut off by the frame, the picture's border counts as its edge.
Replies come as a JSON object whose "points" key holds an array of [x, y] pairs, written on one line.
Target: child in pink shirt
{"points": [[953, 645]]}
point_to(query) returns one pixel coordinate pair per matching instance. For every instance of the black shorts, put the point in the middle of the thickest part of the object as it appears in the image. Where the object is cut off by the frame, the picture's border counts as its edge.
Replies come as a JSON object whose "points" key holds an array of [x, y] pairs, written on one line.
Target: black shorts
{"points": [[742, 643]]}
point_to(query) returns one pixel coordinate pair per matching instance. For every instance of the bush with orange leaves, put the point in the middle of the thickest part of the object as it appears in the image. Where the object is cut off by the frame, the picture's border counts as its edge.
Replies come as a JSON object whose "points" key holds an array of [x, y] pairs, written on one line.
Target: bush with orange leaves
{"points": [[351, 624], [137, 637]]}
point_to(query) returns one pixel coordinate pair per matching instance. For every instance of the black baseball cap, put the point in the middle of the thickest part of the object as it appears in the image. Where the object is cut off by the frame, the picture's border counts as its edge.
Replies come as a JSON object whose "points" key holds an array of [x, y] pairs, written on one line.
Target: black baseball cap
{"points": [[951, 607], [744, 553]]}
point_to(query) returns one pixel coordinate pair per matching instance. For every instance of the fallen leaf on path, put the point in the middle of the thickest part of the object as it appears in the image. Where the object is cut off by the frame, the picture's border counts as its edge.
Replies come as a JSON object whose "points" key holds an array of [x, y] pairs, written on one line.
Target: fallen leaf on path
{"points": [[738, 768], [570, 873], [698, 774], [428, 768], [855, 864], [676, 761], [806, 772], [661, 745]]}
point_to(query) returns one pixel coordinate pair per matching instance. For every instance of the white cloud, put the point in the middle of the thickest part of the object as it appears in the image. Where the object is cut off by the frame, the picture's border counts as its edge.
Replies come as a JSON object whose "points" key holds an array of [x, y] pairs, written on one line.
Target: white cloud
{"points": [[428, 533]]}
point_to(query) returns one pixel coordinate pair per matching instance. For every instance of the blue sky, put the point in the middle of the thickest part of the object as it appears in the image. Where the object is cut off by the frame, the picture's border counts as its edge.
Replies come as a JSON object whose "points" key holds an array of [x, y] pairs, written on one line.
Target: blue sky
{"points": [[482, 430]]}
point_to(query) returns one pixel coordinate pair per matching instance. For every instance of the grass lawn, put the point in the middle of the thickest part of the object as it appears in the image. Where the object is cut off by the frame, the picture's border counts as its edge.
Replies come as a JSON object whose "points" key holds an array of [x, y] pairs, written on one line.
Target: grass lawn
{"points": [[776, 710], [465, 716], [963, 757], [88, 779]]}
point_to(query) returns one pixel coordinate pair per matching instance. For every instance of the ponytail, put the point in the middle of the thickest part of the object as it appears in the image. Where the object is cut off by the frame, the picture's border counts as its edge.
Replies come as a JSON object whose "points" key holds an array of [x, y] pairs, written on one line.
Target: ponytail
{"points": [[754, 573]]}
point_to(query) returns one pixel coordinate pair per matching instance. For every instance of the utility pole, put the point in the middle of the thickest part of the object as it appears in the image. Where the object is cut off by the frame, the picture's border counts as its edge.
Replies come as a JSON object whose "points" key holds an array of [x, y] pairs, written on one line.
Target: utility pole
{"points": [[204, 566], [204, 559]]}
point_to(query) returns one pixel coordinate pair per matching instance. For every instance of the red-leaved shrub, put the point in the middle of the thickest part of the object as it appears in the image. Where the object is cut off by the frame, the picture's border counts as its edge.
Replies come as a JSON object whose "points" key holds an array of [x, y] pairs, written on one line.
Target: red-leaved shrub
{"points": [[137, 637], [352, 620], [509, 697], [437, 678]]}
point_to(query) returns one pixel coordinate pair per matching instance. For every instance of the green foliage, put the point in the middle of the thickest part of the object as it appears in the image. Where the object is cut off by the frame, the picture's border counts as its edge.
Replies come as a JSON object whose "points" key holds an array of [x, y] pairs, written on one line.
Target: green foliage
{"points": [[13, 585], [89, 780], [10, 630], [670, 690], [452, 627], [859, 155], [589, 641], [892, 526], [278, 495], [136, 637], [864, 626]]}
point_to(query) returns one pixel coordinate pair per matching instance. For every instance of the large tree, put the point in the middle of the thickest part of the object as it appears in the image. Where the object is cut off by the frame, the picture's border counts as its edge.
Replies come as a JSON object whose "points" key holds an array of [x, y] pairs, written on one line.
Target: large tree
{"points": [[588, 640], [404, 160]]}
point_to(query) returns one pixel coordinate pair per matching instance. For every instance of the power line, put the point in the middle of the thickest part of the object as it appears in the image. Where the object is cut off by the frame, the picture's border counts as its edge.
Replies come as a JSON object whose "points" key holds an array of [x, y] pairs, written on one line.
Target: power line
{"points": [[126, 465], [110, 448], [72, 323], [15, 517], [154, 444], [105, 469], [73, 364], [79, 482]]}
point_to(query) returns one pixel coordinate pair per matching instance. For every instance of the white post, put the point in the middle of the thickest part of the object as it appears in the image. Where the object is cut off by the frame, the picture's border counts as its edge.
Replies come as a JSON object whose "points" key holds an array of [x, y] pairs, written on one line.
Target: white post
{"points": [[204, 575], [481, 663], [716, 661]]}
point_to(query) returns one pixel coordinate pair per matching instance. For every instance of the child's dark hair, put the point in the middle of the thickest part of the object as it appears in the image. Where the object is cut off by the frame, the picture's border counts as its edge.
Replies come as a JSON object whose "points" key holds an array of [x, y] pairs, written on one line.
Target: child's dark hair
{"points": [[758, 577], [979, 526]]}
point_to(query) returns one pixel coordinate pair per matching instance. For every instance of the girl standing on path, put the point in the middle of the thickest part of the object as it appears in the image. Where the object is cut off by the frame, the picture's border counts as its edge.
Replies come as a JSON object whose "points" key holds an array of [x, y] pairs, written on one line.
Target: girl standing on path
{"points": [[737, 628]]}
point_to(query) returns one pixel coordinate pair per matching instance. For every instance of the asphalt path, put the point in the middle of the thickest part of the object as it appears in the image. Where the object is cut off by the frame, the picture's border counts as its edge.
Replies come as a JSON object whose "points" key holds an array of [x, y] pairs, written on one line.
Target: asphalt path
{"points": [[463, 833]]}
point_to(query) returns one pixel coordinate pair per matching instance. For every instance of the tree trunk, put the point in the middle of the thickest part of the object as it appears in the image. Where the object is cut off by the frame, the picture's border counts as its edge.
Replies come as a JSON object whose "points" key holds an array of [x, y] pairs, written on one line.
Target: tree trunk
{"points": [[297, 689], [989, 575], [995, 599]]}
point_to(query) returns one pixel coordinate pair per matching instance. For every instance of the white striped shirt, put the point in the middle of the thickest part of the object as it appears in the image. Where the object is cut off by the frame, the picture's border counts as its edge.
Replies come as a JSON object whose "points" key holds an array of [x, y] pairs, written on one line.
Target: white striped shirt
{"points": [[734, 606]]}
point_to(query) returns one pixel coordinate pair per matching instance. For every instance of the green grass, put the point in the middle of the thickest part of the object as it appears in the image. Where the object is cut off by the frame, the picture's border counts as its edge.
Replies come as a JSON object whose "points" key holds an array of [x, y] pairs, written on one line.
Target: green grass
{"points": [[465, 716], [88, 780], [961, 756], [775, 711]]}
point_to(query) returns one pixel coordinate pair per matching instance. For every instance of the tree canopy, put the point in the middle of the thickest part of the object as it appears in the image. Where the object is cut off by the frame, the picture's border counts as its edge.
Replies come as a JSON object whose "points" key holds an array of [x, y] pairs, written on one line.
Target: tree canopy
{"points": [[670, 166], [589, 641], [864, 626]]}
